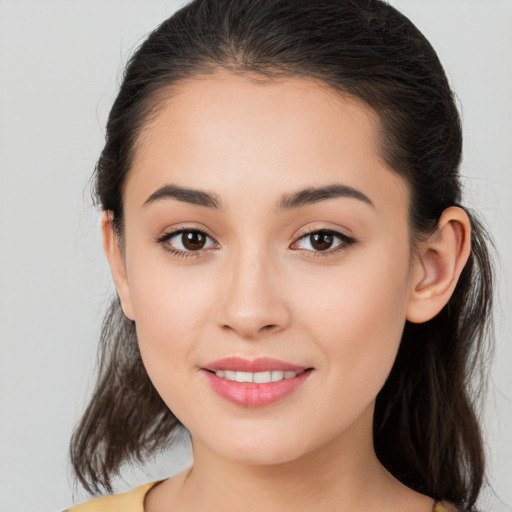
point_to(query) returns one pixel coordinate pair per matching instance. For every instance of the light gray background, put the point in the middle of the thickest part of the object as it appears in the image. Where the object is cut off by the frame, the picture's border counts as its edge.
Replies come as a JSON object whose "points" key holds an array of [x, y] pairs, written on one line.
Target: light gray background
{"points": [[60, 63]]}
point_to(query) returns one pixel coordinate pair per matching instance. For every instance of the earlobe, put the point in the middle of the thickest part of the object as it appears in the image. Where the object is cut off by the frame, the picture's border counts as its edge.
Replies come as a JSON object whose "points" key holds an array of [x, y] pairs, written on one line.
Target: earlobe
{"points": [[438, 265], [116, 262]]}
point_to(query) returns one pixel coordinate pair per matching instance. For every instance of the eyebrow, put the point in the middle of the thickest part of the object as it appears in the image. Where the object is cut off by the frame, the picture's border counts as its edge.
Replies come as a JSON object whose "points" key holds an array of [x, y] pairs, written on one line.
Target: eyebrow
{"points": [[291, 201], [187, 195], [314, 195]]}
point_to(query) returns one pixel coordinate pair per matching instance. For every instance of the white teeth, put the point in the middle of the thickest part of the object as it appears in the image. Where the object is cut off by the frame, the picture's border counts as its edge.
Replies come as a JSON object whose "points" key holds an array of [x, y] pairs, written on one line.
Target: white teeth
{"points": [[262, 377], [257, 377], [230, 375], [277, 375], [244, 377]]}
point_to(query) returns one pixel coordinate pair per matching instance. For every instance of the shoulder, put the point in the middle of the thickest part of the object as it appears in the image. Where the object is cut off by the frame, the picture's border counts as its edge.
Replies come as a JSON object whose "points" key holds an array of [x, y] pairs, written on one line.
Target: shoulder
{"points": [[132, 501]]}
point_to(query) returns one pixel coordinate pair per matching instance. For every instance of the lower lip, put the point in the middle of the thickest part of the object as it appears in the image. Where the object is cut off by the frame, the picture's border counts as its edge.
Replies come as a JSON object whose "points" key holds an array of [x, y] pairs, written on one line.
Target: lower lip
{"points": [[249, 394]]}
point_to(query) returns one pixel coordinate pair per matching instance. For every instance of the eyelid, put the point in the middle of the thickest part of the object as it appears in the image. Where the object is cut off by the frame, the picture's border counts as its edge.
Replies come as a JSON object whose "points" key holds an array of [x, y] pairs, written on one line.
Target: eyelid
{"points": [[172, 232], [325, 229], [346, 240]]}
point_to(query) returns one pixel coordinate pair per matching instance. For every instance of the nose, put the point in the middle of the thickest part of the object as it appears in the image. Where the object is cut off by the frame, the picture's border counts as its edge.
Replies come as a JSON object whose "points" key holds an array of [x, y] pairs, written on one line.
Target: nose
{"points": [[253, 302]]}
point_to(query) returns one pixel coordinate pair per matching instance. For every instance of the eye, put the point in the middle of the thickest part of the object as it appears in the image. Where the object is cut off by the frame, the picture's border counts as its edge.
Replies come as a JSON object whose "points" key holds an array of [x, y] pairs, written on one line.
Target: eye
{"points": [[186, 241], [323, 240]]}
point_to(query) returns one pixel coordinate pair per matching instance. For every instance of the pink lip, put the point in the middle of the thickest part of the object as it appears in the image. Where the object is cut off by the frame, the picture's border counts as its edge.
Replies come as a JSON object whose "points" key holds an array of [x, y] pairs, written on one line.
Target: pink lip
{"points": [[262, 364], [250, 394]]}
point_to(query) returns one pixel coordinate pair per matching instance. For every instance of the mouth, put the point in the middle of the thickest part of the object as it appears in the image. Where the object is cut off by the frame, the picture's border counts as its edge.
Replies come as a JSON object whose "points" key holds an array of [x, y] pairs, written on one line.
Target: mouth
{"points": [[255, 383], [259, 365], [257, 377]]}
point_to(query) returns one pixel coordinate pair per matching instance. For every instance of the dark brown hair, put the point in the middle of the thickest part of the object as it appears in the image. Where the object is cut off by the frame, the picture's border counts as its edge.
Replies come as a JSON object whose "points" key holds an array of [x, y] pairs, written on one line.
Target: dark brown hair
{"points": [[426, 428]]}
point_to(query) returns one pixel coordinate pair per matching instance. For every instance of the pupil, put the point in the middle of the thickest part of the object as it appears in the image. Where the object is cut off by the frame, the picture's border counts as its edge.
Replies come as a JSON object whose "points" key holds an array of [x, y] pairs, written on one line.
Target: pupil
{"points": [[321, 241], [193, 240]]}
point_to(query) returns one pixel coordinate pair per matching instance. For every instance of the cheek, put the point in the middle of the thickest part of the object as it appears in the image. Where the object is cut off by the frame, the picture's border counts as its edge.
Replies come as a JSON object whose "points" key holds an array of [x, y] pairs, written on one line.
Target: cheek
{"points": [[359, 317], [171, 306]]}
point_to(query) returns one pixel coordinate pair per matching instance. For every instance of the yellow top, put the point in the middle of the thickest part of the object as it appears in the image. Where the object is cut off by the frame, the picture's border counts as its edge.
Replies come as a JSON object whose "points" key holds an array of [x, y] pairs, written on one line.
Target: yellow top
{"points": [[133, 501], [444, 506]]}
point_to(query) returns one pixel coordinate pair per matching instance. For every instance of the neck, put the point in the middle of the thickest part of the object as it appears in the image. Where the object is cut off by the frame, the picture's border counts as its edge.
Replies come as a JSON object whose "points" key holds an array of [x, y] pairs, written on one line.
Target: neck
{"points": [[343, 475]]}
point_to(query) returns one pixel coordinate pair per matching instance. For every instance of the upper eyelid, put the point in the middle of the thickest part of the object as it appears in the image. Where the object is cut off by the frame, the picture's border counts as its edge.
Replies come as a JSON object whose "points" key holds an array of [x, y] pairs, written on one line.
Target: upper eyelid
{"points": [[167, 235], [170, 232], [300, 234], [309, 231]]}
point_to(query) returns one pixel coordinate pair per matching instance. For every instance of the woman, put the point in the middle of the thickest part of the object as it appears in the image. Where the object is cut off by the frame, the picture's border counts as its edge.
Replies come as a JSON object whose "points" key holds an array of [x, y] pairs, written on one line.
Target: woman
{"points": [[298, 284]]}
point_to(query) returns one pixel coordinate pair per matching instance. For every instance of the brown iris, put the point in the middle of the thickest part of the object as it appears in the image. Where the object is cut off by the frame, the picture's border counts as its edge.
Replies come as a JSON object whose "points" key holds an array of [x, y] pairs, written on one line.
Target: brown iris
{"points": [[321, 240], [193, 240]]}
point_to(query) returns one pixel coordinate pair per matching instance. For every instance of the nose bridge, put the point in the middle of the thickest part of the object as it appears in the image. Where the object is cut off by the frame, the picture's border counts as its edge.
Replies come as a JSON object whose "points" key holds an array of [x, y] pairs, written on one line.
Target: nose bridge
{"points": [[253, 302]]}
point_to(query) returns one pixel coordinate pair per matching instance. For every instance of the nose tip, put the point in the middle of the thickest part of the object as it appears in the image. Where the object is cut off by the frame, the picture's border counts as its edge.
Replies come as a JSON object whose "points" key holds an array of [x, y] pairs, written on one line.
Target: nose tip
{"points": [[253, 303], [249, 326]]}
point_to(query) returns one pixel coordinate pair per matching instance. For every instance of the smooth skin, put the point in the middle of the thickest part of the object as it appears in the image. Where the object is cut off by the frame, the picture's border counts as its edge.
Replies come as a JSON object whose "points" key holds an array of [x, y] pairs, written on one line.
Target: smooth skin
{"points": [[258, 285]]}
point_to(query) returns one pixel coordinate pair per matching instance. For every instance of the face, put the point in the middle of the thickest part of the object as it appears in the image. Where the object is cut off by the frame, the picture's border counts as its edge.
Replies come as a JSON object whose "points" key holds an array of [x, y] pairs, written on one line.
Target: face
{"points": [[264, 235]]}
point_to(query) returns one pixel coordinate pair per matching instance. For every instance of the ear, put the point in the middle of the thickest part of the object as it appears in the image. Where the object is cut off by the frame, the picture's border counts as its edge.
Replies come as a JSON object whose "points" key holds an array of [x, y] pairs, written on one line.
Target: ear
{"points": [[438, 264], [116, 262]]}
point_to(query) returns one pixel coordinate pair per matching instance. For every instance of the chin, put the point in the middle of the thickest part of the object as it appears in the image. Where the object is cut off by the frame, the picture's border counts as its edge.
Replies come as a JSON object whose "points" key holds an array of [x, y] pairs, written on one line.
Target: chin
{"points": [[274, 447], [264, 455]]}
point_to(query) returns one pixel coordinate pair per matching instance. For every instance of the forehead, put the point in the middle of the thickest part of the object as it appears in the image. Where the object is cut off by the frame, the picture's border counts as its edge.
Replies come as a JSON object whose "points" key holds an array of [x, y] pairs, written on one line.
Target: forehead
{"points": [[210, 106], [223, 131]]}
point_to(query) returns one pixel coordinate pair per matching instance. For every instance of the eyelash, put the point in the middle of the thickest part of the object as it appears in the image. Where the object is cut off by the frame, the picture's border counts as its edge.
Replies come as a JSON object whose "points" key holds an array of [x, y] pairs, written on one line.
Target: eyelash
{"points": [[345, 242], [162, 240]]}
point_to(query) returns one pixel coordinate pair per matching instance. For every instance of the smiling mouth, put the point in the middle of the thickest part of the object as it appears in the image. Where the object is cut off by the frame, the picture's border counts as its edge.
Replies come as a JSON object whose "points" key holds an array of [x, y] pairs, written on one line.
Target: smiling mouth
{"points": [[256, 389], [265, 377], [257, 382]]}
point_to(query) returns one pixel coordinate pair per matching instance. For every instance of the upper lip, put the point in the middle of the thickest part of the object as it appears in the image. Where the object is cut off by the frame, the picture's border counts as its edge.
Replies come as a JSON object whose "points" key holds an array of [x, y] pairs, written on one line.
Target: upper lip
{"points": [[261, 364]]}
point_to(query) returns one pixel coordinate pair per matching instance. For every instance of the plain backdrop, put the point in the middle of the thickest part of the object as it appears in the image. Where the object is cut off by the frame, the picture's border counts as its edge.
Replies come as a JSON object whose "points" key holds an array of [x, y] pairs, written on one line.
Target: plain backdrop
{"points": [[60, 65]]}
